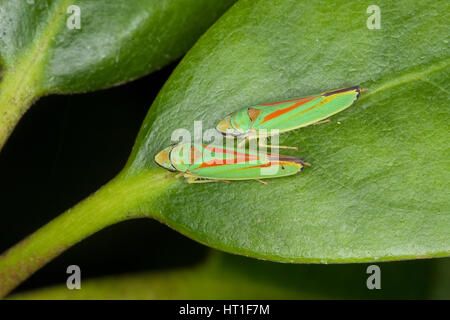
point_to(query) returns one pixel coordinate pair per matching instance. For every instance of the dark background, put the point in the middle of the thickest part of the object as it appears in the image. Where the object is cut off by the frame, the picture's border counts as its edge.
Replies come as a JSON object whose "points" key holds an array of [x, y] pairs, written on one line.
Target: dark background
{"points": [[64, 149], [67, 147]]}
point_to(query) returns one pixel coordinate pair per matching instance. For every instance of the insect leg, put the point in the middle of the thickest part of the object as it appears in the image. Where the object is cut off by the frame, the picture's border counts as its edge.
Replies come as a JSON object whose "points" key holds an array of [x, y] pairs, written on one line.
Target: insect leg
{"points": [[261, 143], [322, 121], [262, 181]]}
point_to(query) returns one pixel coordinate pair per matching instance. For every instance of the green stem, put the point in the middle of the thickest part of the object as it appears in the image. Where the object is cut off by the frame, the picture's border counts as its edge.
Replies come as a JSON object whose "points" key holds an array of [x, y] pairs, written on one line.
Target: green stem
{"points": [[117, 201], [17, 92]]}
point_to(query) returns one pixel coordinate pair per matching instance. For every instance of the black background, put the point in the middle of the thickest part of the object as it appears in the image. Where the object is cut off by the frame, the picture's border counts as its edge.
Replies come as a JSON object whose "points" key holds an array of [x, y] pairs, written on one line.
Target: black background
{"points": [[64, 149]]}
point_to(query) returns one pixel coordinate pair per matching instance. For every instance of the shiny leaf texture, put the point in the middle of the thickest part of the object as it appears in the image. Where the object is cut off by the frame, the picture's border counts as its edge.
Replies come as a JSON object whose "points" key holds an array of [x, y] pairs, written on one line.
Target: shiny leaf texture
{"points": [[114, 42], [67, 46]]}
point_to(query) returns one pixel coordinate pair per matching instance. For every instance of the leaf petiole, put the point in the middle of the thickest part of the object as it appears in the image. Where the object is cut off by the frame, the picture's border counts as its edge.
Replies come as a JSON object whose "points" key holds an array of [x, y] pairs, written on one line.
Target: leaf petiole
{"points": [[116, 201]]}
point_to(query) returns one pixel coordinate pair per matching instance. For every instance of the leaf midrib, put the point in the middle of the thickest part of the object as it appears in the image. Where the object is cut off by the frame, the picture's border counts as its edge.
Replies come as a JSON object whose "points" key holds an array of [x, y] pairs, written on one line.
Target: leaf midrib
{"points": [[30, 63], [397, 81], [408, 78]]}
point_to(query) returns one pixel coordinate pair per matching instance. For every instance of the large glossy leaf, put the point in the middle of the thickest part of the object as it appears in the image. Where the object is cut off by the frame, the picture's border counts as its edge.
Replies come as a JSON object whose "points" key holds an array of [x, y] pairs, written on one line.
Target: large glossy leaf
{"points": [[376, 188], [44, 50]]}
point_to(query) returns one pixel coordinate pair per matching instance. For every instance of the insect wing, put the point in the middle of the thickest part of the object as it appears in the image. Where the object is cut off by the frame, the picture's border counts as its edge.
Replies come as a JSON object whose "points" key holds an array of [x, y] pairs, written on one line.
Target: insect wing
{"points": [[295, 113], [235, 164]]}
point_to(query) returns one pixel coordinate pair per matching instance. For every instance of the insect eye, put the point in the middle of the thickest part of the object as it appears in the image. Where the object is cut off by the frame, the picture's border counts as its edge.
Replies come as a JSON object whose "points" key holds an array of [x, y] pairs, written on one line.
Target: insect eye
{"points": [[282, 167]]}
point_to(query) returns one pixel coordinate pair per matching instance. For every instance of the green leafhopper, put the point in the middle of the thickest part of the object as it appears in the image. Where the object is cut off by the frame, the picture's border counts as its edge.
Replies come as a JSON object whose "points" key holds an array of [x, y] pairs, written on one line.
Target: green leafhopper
{"points": [[206, 163], [287, 115]]}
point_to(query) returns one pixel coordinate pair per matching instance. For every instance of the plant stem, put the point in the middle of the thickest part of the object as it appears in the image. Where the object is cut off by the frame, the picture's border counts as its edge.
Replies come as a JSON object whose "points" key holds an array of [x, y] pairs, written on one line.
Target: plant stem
{"points": [[117, 201], [17, 92]]}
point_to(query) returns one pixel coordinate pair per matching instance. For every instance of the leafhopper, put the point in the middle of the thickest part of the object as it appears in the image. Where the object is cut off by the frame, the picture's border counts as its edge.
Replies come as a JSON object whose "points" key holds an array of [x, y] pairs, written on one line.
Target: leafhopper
{"points": [[200, 163], [256, 121]]}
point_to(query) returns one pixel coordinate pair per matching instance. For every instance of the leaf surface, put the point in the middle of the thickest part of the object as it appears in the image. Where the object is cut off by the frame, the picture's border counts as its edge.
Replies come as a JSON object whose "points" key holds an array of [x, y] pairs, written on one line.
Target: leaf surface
{"points": [[377, 186], [116, 41]]}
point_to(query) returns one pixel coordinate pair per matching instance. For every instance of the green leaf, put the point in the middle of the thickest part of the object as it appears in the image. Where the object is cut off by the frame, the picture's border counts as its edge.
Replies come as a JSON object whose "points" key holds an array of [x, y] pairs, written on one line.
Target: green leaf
{"points": [[115, 42], [233, 277], [376, 188]]}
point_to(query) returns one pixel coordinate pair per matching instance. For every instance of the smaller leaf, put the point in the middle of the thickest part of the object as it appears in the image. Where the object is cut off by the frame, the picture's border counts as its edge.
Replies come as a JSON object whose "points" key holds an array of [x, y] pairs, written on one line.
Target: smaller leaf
{"points": [[66, 46], [225, 276]]}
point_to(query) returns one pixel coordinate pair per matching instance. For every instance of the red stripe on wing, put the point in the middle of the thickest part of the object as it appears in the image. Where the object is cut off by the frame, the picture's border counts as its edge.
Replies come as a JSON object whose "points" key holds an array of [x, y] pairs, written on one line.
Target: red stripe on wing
{"points": [[240, 157], [279, 112], [275, 103]]}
